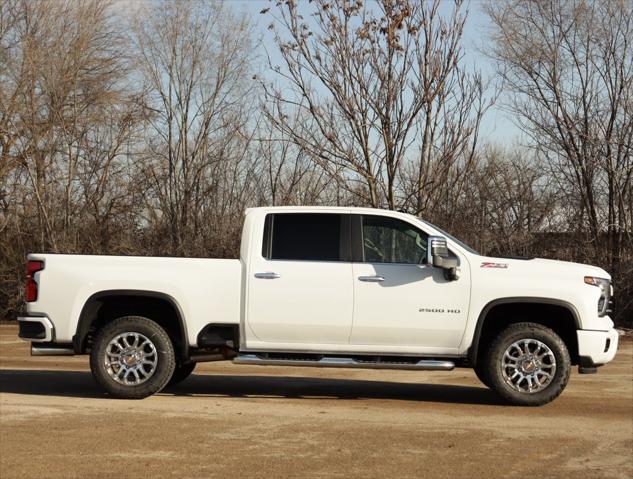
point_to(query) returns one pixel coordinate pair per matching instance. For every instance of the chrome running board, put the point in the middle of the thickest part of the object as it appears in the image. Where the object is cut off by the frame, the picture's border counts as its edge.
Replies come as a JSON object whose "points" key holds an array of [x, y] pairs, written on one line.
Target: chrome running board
{"points": [[333, 362], [37, 350]]}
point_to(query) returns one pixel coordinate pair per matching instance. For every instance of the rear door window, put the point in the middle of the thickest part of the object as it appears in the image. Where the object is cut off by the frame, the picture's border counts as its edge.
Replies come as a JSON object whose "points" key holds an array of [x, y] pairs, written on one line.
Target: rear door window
{"points": [[302, 237]]}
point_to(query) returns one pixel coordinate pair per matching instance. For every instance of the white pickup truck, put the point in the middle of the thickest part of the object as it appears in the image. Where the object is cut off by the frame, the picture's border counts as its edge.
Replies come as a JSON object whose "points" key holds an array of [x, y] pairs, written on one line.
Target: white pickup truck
{"points": [[327, 287]]}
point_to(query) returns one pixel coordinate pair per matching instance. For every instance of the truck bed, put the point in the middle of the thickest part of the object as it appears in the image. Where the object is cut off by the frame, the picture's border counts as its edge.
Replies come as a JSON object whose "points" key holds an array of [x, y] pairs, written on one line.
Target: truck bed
{"points": [[208, 290]]}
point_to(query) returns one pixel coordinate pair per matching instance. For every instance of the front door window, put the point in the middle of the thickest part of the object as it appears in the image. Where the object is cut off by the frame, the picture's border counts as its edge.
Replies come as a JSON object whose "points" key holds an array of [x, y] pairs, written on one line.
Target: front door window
{"points": [[387, 240]]}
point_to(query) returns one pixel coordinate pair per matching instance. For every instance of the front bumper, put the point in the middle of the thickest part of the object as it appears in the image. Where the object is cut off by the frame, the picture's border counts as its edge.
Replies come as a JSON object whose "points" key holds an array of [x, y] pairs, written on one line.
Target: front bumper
{"points": [[37, 329], [596, 348]]}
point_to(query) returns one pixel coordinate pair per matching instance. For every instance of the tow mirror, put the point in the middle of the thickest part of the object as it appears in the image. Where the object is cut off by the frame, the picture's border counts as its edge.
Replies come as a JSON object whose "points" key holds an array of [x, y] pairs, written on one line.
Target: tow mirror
{"points": [[439, 257]]}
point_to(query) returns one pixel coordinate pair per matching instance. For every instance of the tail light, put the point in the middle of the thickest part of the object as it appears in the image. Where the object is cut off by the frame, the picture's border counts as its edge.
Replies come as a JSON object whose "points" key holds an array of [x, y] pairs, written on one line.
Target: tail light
{"points": [[32, 267]]}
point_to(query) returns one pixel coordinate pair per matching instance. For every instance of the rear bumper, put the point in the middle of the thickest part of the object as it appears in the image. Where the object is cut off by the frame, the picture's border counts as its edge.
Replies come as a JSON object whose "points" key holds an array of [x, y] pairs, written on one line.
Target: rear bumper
{"points": [[596, 348], [37, 329]]}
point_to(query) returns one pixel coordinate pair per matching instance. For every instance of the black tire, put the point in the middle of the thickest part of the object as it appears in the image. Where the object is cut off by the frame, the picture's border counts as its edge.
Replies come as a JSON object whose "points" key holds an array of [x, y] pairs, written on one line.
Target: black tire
{"points": [[181, 372], [482, 374], [156, 377], [495, 368]]}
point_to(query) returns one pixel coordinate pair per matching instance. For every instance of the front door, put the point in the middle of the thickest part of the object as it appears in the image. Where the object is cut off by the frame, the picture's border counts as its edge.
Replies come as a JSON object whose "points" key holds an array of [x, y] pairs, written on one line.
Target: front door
{"points": [[402, 304], [300, 288]]}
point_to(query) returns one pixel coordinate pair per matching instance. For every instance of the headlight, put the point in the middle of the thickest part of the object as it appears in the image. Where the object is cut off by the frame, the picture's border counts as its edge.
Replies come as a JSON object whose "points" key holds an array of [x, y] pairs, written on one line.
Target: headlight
{"points": [[605, 293]]}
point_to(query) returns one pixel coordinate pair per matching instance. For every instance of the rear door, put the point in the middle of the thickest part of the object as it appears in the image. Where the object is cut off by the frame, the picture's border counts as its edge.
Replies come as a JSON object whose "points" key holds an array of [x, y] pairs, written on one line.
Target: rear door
{"points": [[400, 302], [300, 287]]}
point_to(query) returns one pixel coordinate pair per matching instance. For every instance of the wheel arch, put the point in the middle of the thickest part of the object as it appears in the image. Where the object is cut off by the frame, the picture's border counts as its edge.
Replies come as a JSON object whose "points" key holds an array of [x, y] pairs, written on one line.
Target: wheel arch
{"points": [[487, 321], [103, 306]]}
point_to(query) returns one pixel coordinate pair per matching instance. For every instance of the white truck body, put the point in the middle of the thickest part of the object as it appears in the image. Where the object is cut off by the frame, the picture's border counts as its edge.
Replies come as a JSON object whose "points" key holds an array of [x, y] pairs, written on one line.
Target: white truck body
{"points": [[328, 307]]}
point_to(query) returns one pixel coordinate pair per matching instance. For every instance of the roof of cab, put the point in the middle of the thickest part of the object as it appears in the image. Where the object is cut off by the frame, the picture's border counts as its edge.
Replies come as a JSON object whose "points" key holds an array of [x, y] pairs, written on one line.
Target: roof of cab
{"points": [[331, 209]]}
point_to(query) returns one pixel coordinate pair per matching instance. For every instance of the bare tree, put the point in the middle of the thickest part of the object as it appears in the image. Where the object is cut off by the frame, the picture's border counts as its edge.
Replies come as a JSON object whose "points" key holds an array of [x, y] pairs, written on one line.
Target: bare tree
{"points": [[370, 85], [150, 139], [286, 174], [67, 114], [194, 59], [569, 68], [61, 85], [508, 201]]}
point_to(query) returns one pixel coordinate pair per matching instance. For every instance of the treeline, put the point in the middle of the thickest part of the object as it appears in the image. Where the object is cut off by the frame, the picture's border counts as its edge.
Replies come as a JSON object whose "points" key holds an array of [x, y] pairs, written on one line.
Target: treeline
{"points": [[148, 128]]}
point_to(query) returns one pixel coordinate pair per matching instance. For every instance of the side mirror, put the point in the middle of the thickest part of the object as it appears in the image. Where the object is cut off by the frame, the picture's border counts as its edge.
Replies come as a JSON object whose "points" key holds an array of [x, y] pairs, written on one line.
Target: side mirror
{"points": [[439, 257]]}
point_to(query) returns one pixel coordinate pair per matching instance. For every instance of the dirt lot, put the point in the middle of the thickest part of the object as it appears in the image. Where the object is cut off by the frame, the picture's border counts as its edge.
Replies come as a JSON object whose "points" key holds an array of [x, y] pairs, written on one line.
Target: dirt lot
{"points": [[246, 421]]}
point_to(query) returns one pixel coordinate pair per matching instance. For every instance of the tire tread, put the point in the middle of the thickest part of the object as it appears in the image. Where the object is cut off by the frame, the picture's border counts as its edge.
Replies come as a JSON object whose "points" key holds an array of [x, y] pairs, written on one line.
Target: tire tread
{"points": [[536, 331], [160, 339]]}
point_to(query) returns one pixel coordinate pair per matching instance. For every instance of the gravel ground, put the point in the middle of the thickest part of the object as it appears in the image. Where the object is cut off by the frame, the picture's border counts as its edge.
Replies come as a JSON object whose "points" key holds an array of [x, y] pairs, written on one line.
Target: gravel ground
{"points": [[249, 421]]}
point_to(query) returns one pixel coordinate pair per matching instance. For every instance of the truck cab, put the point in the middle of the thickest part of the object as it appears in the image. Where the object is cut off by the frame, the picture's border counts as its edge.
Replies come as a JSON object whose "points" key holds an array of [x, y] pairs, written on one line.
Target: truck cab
{"points": [[346, 281]]}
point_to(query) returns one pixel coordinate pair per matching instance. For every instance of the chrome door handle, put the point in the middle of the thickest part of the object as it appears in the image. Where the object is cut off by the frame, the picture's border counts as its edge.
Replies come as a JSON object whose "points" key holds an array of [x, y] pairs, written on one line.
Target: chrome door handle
{"points": [[372, 279], [267, 275]]}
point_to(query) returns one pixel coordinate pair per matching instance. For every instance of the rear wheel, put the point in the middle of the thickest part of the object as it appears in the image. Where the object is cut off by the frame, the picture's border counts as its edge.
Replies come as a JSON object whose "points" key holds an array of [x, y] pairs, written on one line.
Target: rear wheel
{"points": [[181, 372], [132, 358], [528, 364]]}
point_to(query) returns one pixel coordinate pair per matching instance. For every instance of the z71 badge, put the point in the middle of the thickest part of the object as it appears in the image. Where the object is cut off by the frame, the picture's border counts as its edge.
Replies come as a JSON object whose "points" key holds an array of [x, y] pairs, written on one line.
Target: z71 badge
{"points": [[486, 264]]}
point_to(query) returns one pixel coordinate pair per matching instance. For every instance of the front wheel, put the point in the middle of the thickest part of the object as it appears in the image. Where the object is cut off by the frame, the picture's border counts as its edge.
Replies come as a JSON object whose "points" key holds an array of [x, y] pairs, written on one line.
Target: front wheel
{"points": [[528, 364], [132, 358], [482, 374]]}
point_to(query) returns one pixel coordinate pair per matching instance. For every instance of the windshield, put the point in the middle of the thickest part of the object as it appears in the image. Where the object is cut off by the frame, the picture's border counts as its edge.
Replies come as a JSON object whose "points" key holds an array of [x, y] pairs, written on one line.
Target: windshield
{"points": [[451, 237]]}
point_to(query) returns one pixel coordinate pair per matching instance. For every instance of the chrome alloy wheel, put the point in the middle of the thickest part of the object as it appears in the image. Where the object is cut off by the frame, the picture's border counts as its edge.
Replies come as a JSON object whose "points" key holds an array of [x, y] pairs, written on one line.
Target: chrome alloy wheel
{"points": [[528, 366], [131, 358]]}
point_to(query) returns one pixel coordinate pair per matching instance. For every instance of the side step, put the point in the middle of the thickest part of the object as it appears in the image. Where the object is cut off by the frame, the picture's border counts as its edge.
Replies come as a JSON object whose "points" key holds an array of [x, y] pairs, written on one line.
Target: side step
{"points": [[333, 362], [52, 350]]}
